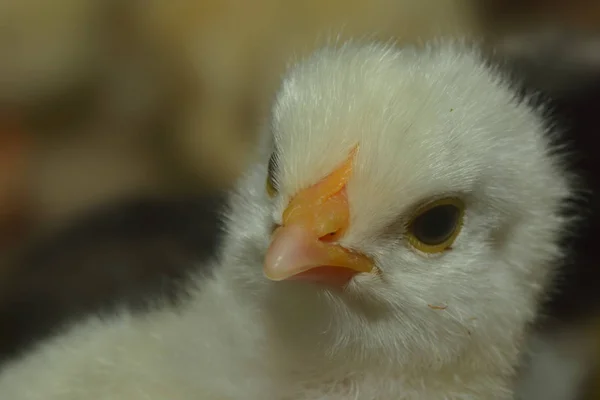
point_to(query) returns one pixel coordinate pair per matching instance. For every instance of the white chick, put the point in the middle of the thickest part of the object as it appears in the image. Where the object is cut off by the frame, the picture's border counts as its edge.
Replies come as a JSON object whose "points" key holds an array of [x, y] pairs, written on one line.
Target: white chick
{"points": [[395, 246]]}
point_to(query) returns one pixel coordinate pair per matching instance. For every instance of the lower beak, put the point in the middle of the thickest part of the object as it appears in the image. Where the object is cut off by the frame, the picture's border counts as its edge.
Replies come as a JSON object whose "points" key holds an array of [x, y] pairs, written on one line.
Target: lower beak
{"points": [[295, 253]]}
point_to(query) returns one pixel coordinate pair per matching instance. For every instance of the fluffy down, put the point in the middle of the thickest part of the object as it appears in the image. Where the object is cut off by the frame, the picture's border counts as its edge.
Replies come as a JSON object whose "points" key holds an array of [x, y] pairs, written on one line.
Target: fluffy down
{"points": [[430, 122]]}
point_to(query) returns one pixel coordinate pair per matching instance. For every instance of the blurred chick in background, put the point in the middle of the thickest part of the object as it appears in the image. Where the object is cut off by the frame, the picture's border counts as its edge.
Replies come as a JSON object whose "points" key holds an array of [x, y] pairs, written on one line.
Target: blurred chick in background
{"points": [[47, 47], [56, 59]]}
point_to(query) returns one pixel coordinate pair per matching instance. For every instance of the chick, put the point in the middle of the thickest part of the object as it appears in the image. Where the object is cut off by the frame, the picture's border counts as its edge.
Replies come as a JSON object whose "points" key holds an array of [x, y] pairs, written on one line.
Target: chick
{"points": [[392, 240]]}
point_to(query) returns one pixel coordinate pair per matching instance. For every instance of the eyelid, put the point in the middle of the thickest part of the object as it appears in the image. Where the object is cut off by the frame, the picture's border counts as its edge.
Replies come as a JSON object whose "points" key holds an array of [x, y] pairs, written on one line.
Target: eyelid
{"points": [[425, 206], [400, 226]]}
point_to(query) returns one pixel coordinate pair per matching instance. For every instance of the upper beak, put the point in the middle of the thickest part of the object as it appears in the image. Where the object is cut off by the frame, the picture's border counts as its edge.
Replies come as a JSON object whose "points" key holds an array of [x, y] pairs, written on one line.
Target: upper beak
{"points": [[305, 247]]}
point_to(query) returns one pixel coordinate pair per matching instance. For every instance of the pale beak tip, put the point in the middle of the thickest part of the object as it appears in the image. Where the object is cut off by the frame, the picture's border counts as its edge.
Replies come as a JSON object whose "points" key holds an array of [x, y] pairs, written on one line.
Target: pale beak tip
{"points": [[271, 277]]}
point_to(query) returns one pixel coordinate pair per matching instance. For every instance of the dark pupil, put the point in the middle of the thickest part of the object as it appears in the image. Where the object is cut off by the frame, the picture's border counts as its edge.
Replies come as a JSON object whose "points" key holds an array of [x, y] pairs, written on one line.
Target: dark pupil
{"points": [[436, 225]]}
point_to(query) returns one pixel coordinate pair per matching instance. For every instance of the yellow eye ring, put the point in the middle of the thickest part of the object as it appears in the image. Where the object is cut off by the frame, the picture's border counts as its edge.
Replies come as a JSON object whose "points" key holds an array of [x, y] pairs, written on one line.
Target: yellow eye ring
{"points": [[271, 184], [435, 226]]}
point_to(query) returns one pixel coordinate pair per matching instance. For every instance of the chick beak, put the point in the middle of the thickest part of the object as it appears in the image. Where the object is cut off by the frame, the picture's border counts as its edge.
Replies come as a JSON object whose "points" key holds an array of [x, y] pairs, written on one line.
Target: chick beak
{"points": [[305, 246]]}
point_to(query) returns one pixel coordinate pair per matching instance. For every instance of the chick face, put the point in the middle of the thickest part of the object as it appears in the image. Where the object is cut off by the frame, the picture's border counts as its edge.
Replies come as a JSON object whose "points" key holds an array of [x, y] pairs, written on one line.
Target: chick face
{"points": [[409, 184]]}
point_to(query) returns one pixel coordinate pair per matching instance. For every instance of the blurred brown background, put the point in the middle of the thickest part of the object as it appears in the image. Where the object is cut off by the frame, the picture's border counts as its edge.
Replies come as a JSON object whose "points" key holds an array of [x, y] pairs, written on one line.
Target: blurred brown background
{"points": [[104, 101]]}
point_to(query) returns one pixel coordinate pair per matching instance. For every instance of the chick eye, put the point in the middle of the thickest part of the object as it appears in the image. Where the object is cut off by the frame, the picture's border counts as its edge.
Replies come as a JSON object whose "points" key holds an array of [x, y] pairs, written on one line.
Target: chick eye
{"points": [[271, 183], [436, 226]]}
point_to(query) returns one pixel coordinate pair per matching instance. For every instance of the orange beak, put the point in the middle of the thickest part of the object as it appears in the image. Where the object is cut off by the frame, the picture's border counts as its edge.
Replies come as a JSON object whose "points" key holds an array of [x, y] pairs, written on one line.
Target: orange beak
{"points": [[305, 247]]}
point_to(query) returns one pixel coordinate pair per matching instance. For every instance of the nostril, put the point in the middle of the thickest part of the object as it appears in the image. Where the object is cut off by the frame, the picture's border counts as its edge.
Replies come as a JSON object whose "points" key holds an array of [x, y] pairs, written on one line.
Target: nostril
{"points": [[274, 227], [330, 237]]}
